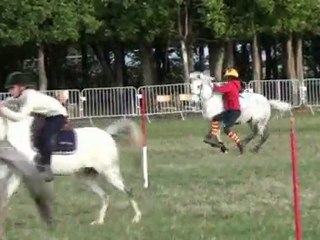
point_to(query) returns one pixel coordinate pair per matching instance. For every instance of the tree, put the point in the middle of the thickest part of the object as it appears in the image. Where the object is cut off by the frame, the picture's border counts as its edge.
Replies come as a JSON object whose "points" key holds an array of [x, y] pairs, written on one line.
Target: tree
{"points": [[41, 22]]}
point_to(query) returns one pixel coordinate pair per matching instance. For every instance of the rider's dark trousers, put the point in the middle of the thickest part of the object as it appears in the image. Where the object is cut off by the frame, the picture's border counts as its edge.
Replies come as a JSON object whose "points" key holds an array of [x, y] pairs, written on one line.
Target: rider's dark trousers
{"points": [[51, 127], [228, 118]]}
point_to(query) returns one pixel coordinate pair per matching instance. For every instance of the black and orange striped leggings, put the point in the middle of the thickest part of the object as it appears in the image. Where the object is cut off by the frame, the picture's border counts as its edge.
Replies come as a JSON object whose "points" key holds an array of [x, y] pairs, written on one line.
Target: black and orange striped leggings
{"points": [[228, 118]]}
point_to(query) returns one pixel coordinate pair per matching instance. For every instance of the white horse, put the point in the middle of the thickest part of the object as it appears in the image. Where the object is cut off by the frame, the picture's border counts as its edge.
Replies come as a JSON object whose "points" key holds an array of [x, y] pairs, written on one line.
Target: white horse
{"points": [[96, 154], [255, 108]]}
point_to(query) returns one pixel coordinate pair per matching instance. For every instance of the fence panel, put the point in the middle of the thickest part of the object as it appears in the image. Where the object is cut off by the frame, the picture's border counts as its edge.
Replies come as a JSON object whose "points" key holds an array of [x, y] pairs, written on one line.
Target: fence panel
{"points": [[70, 98], [4, 95], [170, 98], [109, 102], [311, 90], [282, 89]]}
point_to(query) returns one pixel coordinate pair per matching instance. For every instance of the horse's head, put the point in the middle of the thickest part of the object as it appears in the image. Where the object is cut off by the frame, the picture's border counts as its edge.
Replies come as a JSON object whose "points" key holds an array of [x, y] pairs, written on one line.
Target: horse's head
{"points": [[201, 85]]}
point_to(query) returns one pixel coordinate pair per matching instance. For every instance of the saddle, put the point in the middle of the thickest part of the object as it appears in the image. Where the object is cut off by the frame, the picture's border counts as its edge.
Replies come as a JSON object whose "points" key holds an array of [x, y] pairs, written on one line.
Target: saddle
{"points": [[63, 143]]}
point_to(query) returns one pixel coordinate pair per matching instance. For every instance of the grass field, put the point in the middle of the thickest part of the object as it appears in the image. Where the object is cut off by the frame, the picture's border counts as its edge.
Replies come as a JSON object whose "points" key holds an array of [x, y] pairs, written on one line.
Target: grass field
{"points": [[196, 192]]}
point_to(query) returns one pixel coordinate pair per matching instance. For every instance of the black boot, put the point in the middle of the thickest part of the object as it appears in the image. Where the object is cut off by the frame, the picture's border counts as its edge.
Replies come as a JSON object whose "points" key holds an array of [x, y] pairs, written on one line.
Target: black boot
{"points": [[212, 140]]}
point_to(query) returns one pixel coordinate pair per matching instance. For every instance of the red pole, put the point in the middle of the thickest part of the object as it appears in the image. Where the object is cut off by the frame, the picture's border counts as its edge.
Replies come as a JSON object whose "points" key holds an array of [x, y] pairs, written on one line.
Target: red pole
{"points": [[144, 148], [295, 181]]}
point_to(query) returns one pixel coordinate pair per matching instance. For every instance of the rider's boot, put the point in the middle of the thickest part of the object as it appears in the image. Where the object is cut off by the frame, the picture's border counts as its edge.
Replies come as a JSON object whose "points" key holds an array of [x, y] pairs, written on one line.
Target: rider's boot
{"points": [[212, 140]]}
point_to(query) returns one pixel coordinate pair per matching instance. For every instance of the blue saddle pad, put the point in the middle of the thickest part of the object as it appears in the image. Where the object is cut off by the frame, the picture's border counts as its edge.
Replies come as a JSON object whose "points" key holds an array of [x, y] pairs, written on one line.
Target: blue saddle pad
{"points": [[65, 142]]}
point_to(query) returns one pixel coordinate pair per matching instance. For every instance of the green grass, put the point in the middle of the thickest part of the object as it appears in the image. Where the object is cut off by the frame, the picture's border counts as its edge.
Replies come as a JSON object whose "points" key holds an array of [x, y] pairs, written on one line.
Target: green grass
{"points": [[196, 192]]}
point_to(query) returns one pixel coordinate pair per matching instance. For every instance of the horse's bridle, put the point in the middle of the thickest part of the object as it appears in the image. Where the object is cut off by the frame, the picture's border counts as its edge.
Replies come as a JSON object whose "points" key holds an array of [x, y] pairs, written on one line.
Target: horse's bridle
{"points": [[201, 89]]}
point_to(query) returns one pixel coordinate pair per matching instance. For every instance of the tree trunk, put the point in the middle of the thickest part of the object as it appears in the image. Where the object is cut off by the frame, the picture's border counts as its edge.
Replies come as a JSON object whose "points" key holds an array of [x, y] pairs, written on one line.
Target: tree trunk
{"points": [[244, 62], [299, 58], [268, 65], [43, 81], [118, 65], [290, 66], [161, 61], [229, 61], [201, 58], [291, 69], [84, 65], [190, 55], [185, 59], [148, 64], [299, 67], [216, 57], [256, 60], [274, 61], [106, 68], [56, 55], [185, 29]]}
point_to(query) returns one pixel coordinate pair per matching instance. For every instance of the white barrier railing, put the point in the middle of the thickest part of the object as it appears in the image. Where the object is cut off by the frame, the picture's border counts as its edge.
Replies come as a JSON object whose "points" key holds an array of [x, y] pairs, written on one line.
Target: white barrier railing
{"points": [[3, 96], [71, 99], [283, 90], [109, 102], [311, 89], [171, 98]]}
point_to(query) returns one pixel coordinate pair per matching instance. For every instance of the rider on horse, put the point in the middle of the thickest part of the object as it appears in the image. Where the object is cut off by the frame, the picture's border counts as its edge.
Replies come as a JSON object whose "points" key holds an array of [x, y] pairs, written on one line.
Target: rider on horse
{"points": [[230, 92], [30, 102]]}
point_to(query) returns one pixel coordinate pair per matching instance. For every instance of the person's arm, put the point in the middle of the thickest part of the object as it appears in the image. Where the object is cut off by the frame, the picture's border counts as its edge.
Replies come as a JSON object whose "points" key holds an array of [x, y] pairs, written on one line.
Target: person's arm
{"points": [[24, 111], [223, 88], [8, 101]]}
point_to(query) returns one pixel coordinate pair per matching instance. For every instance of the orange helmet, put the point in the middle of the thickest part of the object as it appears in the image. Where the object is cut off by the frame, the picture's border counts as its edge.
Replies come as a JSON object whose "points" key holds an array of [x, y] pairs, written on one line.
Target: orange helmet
{"points": [[231, 72]]}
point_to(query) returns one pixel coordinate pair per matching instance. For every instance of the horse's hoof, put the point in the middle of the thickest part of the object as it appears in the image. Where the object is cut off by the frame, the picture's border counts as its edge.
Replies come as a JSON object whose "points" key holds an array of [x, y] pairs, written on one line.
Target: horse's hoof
{"points": [[240, 147], [254, 150], [224, 150], [97, 222], [136, 218]]}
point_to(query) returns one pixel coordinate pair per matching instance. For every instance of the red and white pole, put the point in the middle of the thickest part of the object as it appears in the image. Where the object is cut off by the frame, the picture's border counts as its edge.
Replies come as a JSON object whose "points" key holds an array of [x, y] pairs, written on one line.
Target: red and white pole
{"points": [[144, 146], [295, 181]]}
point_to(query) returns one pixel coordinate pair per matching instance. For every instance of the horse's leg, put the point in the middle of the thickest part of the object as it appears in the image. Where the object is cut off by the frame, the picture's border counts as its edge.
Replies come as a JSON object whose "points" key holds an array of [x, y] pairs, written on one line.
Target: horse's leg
{"points": [[264, 133], [93, 185], [13, 184], [252, 135], [3, 199], [8, 185], [114, 177]]}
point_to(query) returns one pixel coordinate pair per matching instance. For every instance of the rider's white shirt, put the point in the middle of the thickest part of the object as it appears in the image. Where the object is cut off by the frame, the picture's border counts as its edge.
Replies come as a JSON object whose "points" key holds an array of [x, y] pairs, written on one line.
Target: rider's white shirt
{"points": [[32, 101]]}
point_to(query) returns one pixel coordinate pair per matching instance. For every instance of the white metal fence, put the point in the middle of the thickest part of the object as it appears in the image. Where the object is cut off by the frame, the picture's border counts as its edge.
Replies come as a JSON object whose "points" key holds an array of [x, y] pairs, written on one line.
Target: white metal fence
{"points": [[171, 98], [283, 90]]}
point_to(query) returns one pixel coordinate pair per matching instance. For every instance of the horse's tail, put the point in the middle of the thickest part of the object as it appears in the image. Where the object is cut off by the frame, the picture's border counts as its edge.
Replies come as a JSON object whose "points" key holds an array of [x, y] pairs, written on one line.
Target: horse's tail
{"points": [[280, 105], [128, 127]]}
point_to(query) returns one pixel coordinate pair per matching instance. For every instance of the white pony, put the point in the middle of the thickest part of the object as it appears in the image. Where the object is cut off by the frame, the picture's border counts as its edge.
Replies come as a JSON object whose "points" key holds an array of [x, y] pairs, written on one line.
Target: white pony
{"points": [[255, 108], [96, 154]]}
